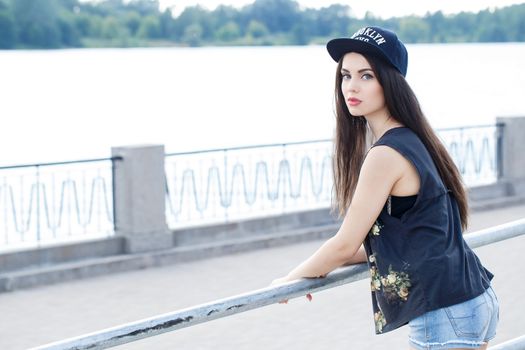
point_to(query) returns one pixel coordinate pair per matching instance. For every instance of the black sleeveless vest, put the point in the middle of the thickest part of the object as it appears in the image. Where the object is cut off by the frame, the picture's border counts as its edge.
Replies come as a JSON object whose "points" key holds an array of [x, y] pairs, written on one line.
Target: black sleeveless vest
{"points": [[420, 262]]}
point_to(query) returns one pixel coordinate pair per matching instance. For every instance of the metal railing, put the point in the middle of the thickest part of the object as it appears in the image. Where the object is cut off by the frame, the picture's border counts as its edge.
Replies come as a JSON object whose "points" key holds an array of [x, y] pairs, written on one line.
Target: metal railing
{"points": [[231, 184], [263, 297], [56, 202], [223, 185], [53, 202], [477, 151], [513, 344]]}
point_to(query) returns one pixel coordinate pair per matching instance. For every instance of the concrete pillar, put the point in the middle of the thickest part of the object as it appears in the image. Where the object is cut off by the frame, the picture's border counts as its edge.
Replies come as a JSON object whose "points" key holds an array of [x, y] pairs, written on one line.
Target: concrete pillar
{"points": [[139, 197], [513, 151]]}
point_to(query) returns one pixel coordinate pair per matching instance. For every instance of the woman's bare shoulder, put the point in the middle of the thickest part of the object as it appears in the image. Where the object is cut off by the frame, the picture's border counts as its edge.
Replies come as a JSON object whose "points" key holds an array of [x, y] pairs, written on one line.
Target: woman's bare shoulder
{"points": [[380, 166], [384, 164], [387, 158]]}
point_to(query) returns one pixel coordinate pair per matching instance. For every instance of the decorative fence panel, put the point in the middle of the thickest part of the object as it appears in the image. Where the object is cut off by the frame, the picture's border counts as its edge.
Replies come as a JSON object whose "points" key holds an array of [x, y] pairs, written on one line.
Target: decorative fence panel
{"points": [[55, 202], [237, 183], [476, 151]]}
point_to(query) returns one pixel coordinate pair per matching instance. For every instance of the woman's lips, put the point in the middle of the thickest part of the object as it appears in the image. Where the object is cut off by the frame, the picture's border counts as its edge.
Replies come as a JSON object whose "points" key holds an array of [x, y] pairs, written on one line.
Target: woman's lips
{"points": [[352, 101]]}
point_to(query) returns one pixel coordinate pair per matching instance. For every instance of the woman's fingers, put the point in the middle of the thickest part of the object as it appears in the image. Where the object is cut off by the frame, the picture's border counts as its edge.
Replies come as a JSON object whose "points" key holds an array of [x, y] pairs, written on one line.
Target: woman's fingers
{"points": [[308, 296], [282, 280]]}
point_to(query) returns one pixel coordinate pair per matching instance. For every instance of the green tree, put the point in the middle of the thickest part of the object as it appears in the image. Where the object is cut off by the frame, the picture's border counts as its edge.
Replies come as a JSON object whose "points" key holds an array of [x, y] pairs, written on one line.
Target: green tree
{"points": [[256, 29], [224, 14], [491, 33], [166, 23], [192, 35], [96, 26], [333, 20], [133, 22], [69, 33], [414, 30], [517, 14], [492, 27], [37, 23], [68, 5], [7, 27], [142, 7], [462, 27], [309, 22], [228, 32], [192, 17], [277, 15], [58, 23], [83, 24], [437, 25], [300, 35], [113, 29], [149, 28]]}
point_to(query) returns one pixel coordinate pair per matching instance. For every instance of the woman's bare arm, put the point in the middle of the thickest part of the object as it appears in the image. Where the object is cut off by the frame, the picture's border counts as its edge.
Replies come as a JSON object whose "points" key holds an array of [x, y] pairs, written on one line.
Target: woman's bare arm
{"points": [[380, 171], [359, 257]]}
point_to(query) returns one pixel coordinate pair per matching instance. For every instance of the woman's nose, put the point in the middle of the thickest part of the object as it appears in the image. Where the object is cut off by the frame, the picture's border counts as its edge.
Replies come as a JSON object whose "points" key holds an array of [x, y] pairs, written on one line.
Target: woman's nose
{"points": [[351, 86]]}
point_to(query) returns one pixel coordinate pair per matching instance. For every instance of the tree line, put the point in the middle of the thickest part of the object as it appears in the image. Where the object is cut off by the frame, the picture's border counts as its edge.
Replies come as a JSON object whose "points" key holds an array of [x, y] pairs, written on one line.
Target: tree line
{"points": [[119, 23]]}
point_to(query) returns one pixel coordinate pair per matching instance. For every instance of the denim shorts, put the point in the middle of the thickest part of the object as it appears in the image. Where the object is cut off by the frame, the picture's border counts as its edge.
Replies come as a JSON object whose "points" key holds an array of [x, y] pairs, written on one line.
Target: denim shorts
{"points": [[469, 324]]}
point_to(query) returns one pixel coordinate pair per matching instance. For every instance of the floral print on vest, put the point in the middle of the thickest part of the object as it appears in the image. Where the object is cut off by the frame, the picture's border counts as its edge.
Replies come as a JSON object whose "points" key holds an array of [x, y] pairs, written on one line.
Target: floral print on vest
{"points": [[376, 228], [394, 286], [380, 322]]}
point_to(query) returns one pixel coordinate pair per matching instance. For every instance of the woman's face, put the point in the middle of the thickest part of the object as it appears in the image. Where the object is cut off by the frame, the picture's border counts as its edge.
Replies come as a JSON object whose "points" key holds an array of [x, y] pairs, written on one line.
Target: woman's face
{"points": [[362, 92]]}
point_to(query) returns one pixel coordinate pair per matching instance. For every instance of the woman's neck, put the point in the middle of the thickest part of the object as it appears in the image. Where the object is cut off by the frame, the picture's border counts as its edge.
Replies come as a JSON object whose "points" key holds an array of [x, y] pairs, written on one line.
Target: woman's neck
{"points": [[380, 126]]}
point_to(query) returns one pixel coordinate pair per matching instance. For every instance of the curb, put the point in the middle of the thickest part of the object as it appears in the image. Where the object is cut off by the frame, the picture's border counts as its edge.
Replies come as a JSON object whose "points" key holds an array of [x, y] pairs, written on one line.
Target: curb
{"points": [[63, 272]]}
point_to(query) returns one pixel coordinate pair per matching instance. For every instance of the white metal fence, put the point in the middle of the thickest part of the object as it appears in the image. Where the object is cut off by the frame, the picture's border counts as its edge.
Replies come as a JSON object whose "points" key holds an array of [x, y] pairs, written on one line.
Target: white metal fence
{"points": [[65, 201], [55, 202], [226, 185]]}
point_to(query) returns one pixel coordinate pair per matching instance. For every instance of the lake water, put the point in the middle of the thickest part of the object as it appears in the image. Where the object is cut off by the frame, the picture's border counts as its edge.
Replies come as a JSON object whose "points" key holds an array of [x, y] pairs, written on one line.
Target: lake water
{"points": [[77, 104]]}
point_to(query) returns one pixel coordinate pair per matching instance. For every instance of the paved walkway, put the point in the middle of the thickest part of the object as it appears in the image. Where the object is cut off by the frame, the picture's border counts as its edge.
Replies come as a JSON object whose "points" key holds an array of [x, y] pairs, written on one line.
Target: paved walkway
{"points": [[339, 318]]}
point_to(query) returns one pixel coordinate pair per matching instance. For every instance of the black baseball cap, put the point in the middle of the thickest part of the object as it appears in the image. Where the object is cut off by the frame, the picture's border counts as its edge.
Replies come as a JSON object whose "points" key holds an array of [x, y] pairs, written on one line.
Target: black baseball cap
{"points": [[375, 41]]}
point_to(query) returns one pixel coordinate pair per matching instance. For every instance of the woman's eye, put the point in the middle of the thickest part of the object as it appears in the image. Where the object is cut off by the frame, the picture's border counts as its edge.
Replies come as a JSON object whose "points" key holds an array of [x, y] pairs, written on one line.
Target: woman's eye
{"points": [[345, 76], [367, 76]]}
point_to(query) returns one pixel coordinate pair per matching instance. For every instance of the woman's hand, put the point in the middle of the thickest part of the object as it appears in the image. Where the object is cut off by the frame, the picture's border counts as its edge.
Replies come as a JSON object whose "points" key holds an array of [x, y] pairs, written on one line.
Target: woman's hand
{"points": [[283, 280], [279, 281]]}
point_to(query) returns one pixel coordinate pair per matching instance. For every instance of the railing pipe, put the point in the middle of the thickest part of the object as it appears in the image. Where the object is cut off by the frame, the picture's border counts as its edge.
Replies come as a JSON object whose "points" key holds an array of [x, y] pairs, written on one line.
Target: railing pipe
{"points": [[270, 295], [58, 163], [496, 233], [241, 148], [472, 127], [513, 344], [207, 312]]}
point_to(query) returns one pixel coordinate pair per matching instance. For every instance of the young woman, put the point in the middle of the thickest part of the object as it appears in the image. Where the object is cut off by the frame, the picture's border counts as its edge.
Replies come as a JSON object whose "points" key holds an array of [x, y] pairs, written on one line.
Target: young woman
{"points": [[404, 205]]}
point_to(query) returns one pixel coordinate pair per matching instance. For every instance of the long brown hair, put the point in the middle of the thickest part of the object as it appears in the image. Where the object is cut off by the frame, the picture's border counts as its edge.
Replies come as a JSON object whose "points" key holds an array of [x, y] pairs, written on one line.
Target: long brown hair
{"points": [[352, 137]]}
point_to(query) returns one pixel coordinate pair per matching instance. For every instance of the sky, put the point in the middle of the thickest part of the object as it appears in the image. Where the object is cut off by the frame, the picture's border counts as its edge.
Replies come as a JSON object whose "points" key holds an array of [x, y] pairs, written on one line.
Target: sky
{"points": [[380, 8]]}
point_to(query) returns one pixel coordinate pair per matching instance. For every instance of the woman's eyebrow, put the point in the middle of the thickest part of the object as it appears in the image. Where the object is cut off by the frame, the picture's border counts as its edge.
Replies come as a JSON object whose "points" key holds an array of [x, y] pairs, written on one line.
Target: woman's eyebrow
{"points": [[359, 71]]}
